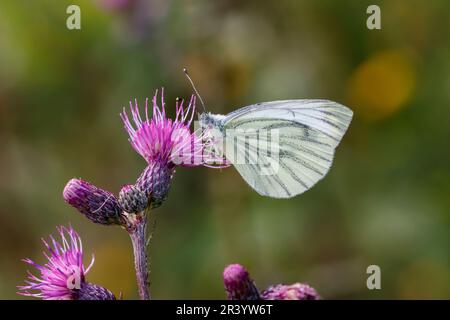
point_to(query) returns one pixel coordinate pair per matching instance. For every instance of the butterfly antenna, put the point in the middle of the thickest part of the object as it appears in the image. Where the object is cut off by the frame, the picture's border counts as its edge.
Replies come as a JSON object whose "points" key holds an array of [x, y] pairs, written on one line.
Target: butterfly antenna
{"points": [[193, 87]]}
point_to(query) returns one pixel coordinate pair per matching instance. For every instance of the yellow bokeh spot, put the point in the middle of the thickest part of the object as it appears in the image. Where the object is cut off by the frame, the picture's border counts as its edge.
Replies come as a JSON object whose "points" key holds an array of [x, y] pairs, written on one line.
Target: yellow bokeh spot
{"points": [[382, 84], [114, 269], [424, 279]]}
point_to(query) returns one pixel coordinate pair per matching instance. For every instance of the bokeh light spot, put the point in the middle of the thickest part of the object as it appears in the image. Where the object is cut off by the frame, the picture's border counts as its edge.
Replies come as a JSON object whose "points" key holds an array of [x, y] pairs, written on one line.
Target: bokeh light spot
{"points": [[382, 84]]}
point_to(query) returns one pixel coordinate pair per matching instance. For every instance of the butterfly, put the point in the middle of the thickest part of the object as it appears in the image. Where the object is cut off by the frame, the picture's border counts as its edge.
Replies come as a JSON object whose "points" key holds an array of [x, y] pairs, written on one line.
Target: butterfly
{"points": [[280, 148]]}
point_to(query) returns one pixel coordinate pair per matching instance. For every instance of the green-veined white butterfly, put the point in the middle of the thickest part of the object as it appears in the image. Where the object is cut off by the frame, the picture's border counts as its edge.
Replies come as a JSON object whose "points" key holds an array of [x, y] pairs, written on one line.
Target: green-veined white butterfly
{"points": [[307, 134]]}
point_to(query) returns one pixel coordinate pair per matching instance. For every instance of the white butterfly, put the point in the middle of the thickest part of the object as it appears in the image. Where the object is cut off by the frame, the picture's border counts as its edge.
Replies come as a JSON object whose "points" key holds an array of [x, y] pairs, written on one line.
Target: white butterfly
{"points": [[281, 148]]}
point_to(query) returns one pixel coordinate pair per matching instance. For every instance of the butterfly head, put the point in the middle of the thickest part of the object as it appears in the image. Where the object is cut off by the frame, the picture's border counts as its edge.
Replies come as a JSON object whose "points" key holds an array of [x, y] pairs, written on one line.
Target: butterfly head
{"points": [[205, 119], [210, 121]]}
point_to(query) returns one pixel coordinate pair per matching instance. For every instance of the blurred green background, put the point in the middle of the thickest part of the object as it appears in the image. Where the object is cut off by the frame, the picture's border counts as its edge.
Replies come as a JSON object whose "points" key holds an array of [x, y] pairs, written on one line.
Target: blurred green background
{"points": [[385, 201]]}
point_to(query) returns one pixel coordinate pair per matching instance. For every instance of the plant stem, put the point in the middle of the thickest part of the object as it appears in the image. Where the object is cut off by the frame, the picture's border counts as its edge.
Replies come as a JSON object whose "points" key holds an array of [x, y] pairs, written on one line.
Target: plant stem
{"points": [[138, 238]]}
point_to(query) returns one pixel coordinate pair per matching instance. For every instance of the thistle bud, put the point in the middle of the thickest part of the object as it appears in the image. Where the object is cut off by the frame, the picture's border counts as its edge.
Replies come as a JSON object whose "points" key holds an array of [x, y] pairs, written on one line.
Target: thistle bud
{"points": [[98, 205], [132, 200], [238, 284], [155, 182], [296, 291]]}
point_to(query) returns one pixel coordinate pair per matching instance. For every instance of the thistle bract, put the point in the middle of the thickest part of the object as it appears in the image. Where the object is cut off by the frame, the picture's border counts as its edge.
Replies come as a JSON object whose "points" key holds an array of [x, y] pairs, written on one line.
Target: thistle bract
{"points": [[132, 199]]}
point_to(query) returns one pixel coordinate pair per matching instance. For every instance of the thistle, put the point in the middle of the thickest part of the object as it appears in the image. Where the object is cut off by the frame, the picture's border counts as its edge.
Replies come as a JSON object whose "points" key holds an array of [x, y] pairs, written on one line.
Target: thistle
{"points": [[166, 143], [63, 277], [239, 286]]}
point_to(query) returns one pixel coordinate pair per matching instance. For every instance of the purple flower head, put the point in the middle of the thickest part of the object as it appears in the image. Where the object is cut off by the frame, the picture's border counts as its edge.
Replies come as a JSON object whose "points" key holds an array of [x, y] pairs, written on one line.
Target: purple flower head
{"points": [[98, 205], [63, 276], [296, 291], [161, 140], [166, 143], [238, 284]]}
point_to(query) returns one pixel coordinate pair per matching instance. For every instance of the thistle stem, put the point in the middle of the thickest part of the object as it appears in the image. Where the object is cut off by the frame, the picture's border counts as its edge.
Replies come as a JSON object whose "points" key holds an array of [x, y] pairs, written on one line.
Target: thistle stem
{"points": [[138, 238]]}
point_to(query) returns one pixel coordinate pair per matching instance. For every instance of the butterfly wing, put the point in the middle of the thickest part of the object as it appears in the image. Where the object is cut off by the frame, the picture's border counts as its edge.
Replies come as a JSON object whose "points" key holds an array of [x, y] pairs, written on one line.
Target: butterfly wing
{"points": [[283, 148]]}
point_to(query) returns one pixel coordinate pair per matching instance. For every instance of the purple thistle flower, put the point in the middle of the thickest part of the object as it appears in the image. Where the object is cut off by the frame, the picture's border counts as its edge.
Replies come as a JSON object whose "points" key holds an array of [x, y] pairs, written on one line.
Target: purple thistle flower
{"points": [[63, 276], [98, 205], [159, 139], [296, 291], [238, 284], [165, 143]]}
